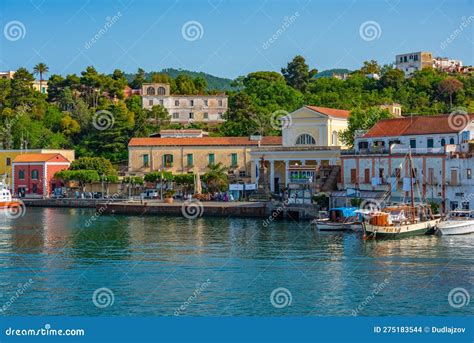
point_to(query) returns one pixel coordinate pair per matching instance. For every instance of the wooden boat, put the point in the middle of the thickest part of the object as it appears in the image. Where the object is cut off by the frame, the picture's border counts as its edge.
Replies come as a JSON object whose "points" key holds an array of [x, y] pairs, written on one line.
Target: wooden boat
{"points": [[337, 220], [356, 222], [457, 222], [402, 220]]}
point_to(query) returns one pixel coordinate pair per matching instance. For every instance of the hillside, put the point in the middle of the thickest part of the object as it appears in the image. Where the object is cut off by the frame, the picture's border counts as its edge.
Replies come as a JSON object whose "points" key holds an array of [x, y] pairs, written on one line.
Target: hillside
{"points": [[331, 72], [213, 82]]}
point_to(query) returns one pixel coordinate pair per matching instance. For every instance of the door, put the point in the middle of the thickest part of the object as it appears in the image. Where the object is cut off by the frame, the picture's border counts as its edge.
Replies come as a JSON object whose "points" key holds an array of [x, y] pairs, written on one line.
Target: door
{"points": [[277, 185], [454, 177], [367, 176]]}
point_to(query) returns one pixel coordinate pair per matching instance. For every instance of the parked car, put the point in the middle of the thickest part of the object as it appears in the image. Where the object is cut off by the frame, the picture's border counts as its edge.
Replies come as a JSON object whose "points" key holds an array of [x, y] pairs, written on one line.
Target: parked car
{"points": [[149, 194]]}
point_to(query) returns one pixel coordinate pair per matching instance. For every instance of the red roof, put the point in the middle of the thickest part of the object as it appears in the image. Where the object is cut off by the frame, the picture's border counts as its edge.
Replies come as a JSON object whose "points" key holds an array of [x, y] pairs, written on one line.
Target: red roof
{"points": [[204, 141], [420, 125], [50, 157], [331, 112]]}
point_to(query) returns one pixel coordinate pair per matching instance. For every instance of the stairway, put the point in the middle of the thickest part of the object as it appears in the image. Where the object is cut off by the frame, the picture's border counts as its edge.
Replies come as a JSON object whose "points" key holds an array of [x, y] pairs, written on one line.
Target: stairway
{"points": [[331, 182]]}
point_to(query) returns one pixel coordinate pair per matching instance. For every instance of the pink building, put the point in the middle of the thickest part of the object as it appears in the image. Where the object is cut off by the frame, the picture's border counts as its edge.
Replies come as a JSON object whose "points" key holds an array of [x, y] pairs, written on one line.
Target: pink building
{"points": [[33, 174]]}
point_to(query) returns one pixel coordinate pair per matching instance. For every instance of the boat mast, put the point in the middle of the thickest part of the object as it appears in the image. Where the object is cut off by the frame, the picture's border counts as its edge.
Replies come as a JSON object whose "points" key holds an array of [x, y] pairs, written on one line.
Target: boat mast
{"points": [[412, 197]]}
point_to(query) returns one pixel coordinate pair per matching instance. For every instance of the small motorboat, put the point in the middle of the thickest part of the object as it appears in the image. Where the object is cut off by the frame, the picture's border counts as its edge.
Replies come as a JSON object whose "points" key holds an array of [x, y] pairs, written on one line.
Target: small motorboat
{"points": [[7, 204], [356, 222], [337, 220], [458, 222]]}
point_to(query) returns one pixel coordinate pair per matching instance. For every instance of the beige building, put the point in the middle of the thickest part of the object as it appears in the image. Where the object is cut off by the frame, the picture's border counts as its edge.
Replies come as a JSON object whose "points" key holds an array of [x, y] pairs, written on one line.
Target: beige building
{"points": [[413, 61], [310, 151], [185, 108], [187, 155]]}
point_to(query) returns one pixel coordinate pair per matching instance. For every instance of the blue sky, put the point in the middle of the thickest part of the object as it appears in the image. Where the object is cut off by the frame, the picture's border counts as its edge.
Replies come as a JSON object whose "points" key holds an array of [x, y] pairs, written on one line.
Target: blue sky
{"points": [[234, 39]]}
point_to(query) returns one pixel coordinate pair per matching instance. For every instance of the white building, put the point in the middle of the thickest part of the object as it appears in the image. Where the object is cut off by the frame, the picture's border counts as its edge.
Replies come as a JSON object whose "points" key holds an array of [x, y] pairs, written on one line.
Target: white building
{"points": [[185, 108], [446, 64], [414, 61], [442, 149]]}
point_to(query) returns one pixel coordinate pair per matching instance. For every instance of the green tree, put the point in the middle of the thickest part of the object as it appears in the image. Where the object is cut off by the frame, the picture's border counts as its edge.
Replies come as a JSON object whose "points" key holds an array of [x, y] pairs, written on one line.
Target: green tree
{"points": [[101, 165], [216, 178], [82, 177], [297, 73], [139, 79]]}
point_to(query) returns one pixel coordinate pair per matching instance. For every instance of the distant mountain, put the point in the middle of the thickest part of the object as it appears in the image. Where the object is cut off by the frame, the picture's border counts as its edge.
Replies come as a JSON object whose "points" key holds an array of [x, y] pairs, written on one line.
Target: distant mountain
{"points": [[331, 72], [213, 82]]}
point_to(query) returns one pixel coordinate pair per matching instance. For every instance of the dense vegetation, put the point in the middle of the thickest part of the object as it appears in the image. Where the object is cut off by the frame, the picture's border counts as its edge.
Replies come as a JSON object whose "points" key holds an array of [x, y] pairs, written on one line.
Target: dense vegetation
{"points": [[89, 112]]}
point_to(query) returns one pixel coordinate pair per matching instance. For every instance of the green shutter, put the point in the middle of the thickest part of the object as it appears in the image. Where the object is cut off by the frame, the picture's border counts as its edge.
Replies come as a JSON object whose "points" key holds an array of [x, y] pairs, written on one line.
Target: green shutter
{"points": [[234, 159], [211, 159], [190, 160]]}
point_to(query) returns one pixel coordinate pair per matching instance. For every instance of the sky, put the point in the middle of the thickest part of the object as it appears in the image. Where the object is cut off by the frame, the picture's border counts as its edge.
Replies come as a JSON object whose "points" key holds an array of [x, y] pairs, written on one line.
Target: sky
{"points": [[228, 38]]}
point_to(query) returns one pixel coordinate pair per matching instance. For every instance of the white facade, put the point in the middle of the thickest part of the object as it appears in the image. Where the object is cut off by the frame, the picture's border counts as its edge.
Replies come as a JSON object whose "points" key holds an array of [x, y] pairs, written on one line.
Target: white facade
{"points": [[413, 61], [185, 108]]}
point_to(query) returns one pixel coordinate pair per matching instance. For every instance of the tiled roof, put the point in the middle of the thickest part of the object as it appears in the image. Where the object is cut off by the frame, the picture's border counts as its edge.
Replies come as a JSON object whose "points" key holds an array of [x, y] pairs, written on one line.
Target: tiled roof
{"points": [[52, 157], [204, 141], [420, 125], [331, 112]]}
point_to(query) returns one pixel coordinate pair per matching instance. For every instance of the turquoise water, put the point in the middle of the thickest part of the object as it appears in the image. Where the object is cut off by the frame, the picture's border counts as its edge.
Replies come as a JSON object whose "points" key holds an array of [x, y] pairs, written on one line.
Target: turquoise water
{"points": [[221, 267]]}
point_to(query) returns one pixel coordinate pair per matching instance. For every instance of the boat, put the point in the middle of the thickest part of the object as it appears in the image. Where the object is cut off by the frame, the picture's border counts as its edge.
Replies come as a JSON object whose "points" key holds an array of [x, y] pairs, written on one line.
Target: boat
{"points": [[337, 220], [457, 222], [7, 204], [356, 222], [402, 220]]}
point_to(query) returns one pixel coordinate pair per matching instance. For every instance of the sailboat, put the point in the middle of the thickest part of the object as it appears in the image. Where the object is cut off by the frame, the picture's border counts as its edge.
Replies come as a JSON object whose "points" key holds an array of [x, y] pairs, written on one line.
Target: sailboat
{"points": [[402, 220]]}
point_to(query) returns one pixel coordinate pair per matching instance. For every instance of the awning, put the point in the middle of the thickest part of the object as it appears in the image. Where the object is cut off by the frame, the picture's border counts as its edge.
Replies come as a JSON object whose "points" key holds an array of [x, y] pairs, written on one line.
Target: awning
{"points": [[362, 194]]}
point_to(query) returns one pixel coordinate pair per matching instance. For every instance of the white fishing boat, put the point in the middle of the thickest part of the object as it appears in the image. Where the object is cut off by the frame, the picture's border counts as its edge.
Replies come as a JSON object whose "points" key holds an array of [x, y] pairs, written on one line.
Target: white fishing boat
{"points": [[7, 204], [337, 220], [458, 222]]}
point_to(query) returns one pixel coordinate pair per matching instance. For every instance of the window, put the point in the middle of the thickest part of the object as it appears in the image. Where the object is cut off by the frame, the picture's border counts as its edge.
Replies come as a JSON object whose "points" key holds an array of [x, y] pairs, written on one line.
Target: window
{"points": [[205, 115], [242, 173], [221, 103], [469, 173], [190, 160], [21, 174], [381, 173], [35, 188], [353, 176], [146, 160], [430, 143], [176, 102], [161, 91], [219, 115], [443, 142], [305, 139], [9, 161], [413, 143], [211, 159], [150, 102], [206, 103], [451, 141], [334, 138], [453, 205], [168, 160], [150, 91], [175, 115], [34, 174], [234, 160], [465, 205], [191, 103], [191, 115]]}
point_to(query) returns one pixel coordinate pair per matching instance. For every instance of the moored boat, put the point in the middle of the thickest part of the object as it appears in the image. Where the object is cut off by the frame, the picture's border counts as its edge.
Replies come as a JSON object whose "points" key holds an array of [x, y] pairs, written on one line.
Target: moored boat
{"points": [[7, 204], [337, 220], [458, 222]]}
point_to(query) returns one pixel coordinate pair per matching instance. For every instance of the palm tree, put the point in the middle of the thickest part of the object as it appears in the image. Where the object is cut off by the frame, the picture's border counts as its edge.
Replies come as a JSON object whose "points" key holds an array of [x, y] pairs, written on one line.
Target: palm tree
{"points": [[40, 69], [216, 178]]}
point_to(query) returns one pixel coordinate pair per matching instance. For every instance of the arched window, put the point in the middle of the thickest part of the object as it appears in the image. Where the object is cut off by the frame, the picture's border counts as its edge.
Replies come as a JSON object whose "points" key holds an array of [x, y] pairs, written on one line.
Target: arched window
{"points": [[334, 138], [451, 141], [161, 91], [443, 142], [305, 139], [150, 91]]}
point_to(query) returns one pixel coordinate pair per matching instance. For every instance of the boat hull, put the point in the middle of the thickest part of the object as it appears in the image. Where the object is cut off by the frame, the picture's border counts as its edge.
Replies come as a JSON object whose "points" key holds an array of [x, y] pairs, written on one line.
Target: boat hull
{"points": [[456, 228], [328, 226], [400, 231]]}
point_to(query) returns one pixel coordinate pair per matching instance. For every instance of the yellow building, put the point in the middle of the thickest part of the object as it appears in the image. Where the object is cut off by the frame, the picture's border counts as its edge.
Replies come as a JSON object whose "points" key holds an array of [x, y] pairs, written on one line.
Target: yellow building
{"points": [[7, 157], [311, 147], [183, 154]]}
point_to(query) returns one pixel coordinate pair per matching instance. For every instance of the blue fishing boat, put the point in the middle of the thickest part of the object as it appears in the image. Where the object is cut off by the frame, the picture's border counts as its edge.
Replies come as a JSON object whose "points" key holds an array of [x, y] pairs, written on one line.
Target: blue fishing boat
{"points": [[337, 220]]}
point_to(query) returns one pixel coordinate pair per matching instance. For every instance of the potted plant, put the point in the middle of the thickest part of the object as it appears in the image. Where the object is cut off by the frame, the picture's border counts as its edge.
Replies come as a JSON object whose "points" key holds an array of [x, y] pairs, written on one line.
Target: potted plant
{"points": [[169, 196]]}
